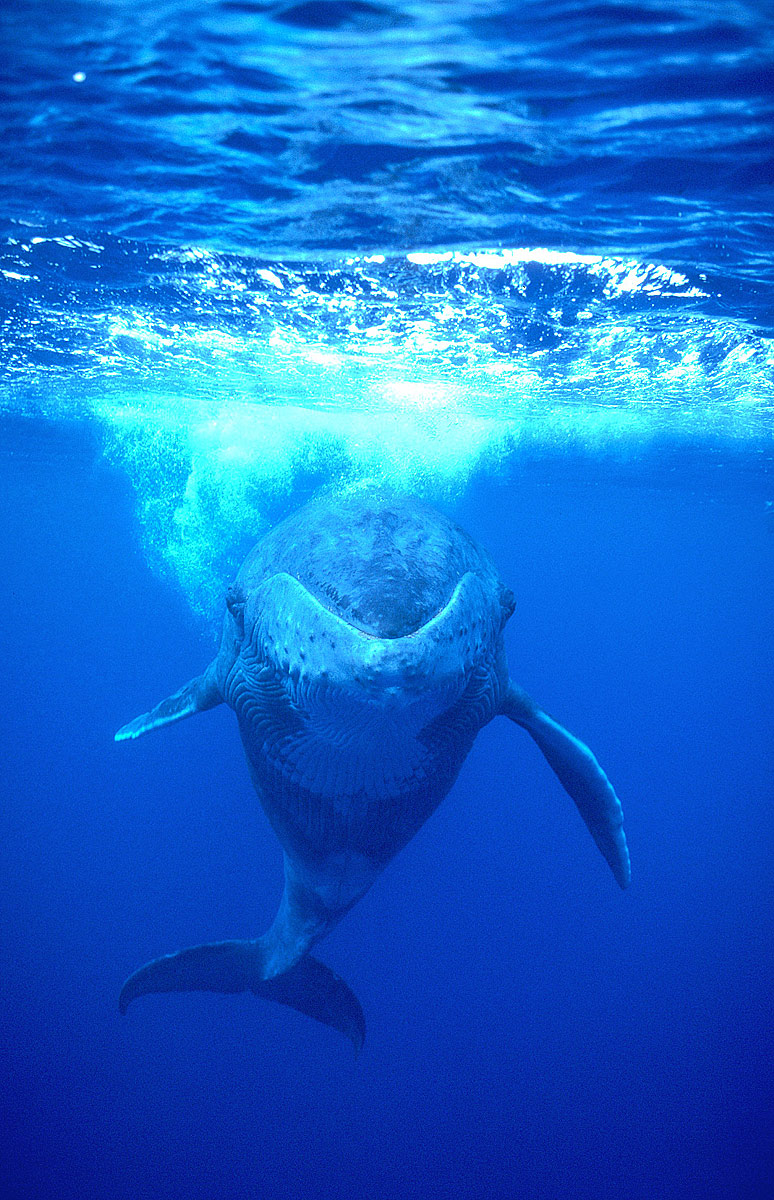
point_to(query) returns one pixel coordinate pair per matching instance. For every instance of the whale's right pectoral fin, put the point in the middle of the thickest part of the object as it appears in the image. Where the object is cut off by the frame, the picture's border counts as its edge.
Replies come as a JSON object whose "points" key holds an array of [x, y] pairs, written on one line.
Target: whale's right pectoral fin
{"points": [[581, 776], [199, 694]]}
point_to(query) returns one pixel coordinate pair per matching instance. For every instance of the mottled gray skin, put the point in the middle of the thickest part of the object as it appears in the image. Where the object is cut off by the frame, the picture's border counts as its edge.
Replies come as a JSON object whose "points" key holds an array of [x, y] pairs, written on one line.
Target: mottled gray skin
{"points": [[384, 564], [342, 763], [362, 651]]}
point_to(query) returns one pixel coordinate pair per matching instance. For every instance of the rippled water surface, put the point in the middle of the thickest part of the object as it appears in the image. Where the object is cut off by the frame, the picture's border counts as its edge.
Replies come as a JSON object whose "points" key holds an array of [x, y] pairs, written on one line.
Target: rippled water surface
{"points": [[639, 130], [415, 241]]}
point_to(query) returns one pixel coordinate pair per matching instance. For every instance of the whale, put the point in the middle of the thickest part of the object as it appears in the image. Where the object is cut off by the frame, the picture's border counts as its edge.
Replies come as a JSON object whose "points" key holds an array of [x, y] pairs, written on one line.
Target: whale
{"points": [[361, 651]]}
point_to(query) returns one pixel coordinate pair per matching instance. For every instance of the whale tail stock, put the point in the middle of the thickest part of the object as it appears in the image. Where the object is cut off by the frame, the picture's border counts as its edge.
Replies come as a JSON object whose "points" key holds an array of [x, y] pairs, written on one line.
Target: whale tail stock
{"points": [[275, 966], [309, 985]]}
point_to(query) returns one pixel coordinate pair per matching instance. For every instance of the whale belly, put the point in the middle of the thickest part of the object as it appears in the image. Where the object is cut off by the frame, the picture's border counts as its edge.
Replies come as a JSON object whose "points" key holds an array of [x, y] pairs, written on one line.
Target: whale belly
{"points": [[339, 773]]}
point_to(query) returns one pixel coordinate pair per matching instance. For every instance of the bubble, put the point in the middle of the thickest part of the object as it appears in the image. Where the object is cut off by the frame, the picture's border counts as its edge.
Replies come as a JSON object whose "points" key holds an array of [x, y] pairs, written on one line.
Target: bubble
{"points": [[230, 390], [209, 477]]}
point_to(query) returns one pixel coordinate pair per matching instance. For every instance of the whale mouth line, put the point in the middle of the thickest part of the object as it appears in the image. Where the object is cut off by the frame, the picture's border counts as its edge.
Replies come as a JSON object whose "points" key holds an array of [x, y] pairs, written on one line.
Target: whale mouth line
{"points": [[324, 602], [358, 627], [291, 635]]}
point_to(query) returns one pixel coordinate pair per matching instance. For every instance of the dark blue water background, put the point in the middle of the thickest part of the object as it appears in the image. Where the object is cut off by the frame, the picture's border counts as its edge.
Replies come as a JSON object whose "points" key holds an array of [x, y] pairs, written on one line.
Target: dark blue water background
{"points": [[517, 258]]}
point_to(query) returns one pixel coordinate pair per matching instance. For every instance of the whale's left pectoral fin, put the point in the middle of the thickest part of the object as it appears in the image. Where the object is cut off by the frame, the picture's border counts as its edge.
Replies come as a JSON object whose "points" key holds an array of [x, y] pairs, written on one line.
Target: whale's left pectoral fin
{"points": [[199, 694], [581, 776]]}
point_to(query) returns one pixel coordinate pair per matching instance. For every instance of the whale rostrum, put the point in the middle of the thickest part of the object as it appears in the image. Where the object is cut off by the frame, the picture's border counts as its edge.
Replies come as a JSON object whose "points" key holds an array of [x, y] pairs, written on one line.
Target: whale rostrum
{"points": [[362, 651]]}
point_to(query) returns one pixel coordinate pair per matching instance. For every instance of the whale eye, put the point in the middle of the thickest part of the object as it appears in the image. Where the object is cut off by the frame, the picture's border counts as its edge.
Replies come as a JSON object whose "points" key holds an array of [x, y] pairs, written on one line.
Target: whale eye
{"points": [[235, 603]]}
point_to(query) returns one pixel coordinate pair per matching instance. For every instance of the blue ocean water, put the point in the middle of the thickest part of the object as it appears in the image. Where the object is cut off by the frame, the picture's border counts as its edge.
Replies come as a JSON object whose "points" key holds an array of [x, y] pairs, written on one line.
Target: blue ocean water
{"points": [[517, 259]]}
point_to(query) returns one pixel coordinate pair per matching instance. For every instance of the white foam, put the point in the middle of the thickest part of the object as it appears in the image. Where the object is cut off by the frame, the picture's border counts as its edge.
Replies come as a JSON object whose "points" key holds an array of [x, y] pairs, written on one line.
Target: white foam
{"points": [[417, 371]]}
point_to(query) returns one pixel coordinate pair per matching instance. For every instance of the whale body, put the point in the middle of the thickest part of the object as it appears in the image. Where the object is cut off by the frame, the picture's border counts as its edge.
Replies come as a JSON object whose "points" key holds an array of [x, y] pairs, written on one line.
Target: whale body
{"points": [[362, 651]]}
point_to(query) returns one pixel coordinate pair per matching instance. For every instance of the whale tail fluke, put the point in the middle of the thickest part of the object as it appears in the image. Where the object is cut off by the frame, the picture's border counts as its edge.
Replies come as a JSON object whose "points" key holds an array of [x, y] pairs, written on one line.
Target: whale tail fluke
{"points": [[237, 966]]}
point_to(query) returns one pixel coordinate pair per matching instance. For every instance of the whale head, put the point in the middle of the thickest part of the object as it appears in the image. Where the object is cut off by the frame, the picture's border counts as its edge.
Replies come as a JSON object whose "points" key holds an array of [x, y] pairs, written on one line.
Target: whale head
{"points": [[290, 636]]}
